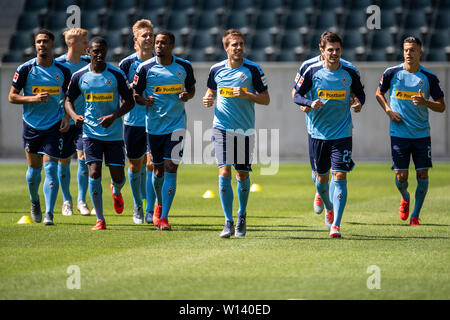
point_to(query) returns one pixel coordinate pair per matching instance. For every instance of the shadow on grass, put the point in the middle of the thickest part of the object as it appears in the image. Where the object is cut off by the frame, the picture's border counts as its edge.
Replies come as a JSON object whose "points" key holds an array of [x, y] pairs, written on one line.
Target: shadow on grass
{"points": [[397, 224]]}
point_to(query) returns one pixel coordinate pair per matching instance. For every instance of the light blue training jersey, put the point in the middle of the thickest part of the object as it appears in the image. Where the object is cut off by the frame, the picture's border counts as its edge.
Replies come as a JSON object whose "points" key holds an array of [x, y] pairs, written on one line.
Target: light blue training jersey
{"points": [[136, 117], [164, 83], [402, 85], [235, 113], [333, 88], [74, 67], [305, 65], [101, 92], [34, 79]]}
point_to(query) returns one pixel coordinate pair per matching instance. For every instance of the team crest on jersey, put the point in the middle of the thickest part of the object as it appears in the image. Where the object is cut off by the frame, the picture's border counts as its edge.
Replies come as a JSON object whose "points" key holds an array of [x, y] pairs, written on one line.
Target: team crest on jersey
{"points": [[109, 82], [56, 76], [421, 83], [344, 81], [243, 77], [179, 73]]}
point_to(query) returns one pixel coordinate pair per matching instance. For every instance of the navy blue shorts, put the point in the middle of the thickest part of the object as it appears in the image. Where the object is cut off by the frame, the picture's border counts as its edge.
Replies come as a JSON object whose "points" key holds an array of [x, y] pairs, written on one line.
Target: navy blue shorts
{"points": [[135, 139], [47, 142], [403, 148], [73, 141], [335, 154], [112, 151], [166, 146], [233, 149]]}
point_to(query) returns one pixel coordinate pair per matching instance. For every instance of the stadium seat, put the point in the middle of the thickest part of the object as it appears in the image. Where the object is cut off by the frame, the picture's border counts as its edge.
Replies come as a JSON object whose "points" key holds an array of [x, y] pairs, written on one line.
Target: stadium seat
{"points": [[301, 4], [326, 20], [97, 5], [290, 40], [117, 20], [182, 5], [376, 55], [388, 19], [207, 20], [241, 4], [56, 21], [444, 5], [124, 5], [312, 53], [196, 55], [360, 5], [202, 40], [271, 4], [352, 40], [236, 20], [442, 21], [354, 20], [90, 20], [177, 20], [295, 20], [257, 55], [113, 40], [28, 22], [35, 6], [439, 40], [212, 4], [266, 20], [286, 55], [329, 4], [61, 5], [381, 39], [419, 4], [153, 4], [415, 19], [13, 56], [260, 40], [390, 4], [20, 41], [436, 55]]}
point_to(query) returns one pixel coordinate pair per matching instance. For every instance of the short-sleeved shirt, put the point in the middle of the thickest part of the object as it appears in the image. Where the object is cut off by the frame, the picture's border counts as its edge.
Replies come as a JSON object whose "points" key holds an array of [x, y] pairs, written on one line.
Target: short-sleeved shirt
{"points": [[34, 79], [164, 83], [402, 85], [74, 67], [333, 88], [136, 117], [235, 113], [101, 92]]}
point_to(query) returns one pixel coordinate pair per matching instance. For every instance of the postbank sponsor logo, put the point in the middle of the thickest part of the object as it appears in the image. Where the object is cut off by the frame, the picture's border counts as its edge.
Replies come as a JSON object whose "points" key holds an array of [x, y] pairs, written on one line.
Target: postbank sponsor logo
{"points": [[170, 88], [49, 90], [228, 92], [406, 95], [99, 96], [332, 94]]}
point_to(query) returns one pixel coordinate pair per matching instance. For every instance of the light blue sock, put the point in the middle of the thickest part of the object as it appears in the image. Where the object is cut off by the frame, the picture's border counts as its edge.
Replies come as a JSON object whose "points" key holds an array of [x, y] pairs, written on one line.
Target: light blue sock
{"points": [[83, 179], [33, 177], [403, 188], [51, 185], [135, 184], [226, 197], [157, 185], [117, 187], [143, 188], [324, 192], [243, 191], [151, 195], [339, 200], [168, 191], [96, 191], [331, 189], [64, 180], [421, 192]]}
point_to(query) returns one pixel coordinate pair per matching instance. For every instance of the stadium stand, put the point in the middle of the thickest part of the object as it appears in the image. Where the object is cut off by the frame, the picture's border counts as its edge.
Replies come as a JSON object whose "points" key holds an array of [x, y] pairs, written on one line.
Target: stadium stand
{"points": [[275, 30]]}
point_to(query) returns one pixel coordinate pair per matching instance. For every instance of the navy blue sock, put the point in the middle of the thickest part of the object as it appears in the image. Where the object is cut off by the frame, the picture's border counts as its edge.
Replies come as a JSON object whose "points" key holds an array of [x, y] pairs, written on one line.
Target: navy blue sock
{"points": [[421, 192]]}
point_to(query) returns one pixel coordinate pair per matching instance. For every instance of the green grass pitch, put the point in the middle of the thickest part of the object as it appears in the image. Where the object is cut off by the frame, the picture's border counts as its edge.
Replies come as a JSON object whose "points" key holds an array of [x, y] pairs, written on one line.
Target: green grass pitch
{"points": [[286, 254]]}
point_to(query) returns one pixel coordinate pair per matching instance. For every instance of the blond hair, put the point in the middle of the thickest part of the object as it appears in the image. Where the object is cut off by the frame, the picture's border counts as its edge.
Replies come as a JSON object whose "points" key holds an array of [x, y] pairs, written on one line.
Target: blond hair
{"points": [[74, 33], [230, 33], [142, 24]]}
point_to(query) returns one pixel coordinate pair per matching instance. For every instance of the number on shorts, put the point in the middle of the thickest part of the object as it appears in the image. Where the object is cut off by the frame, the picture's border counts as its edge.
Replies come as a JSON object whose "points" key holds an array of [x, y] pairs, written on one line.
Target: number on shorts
{"points": [[347, 157]]}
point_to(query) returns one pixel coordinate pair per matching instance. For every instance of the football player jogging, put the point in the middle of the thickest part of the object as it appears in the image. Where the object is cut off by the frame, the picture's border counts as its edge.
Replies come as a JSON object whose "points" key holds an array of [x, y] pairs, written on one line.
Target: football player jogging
{"points": [[330, 84], [237, 84], [163, 84], [43, 81], [75, 59], [135, 136], [410, 87], [101, 85], [318, 203]]}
